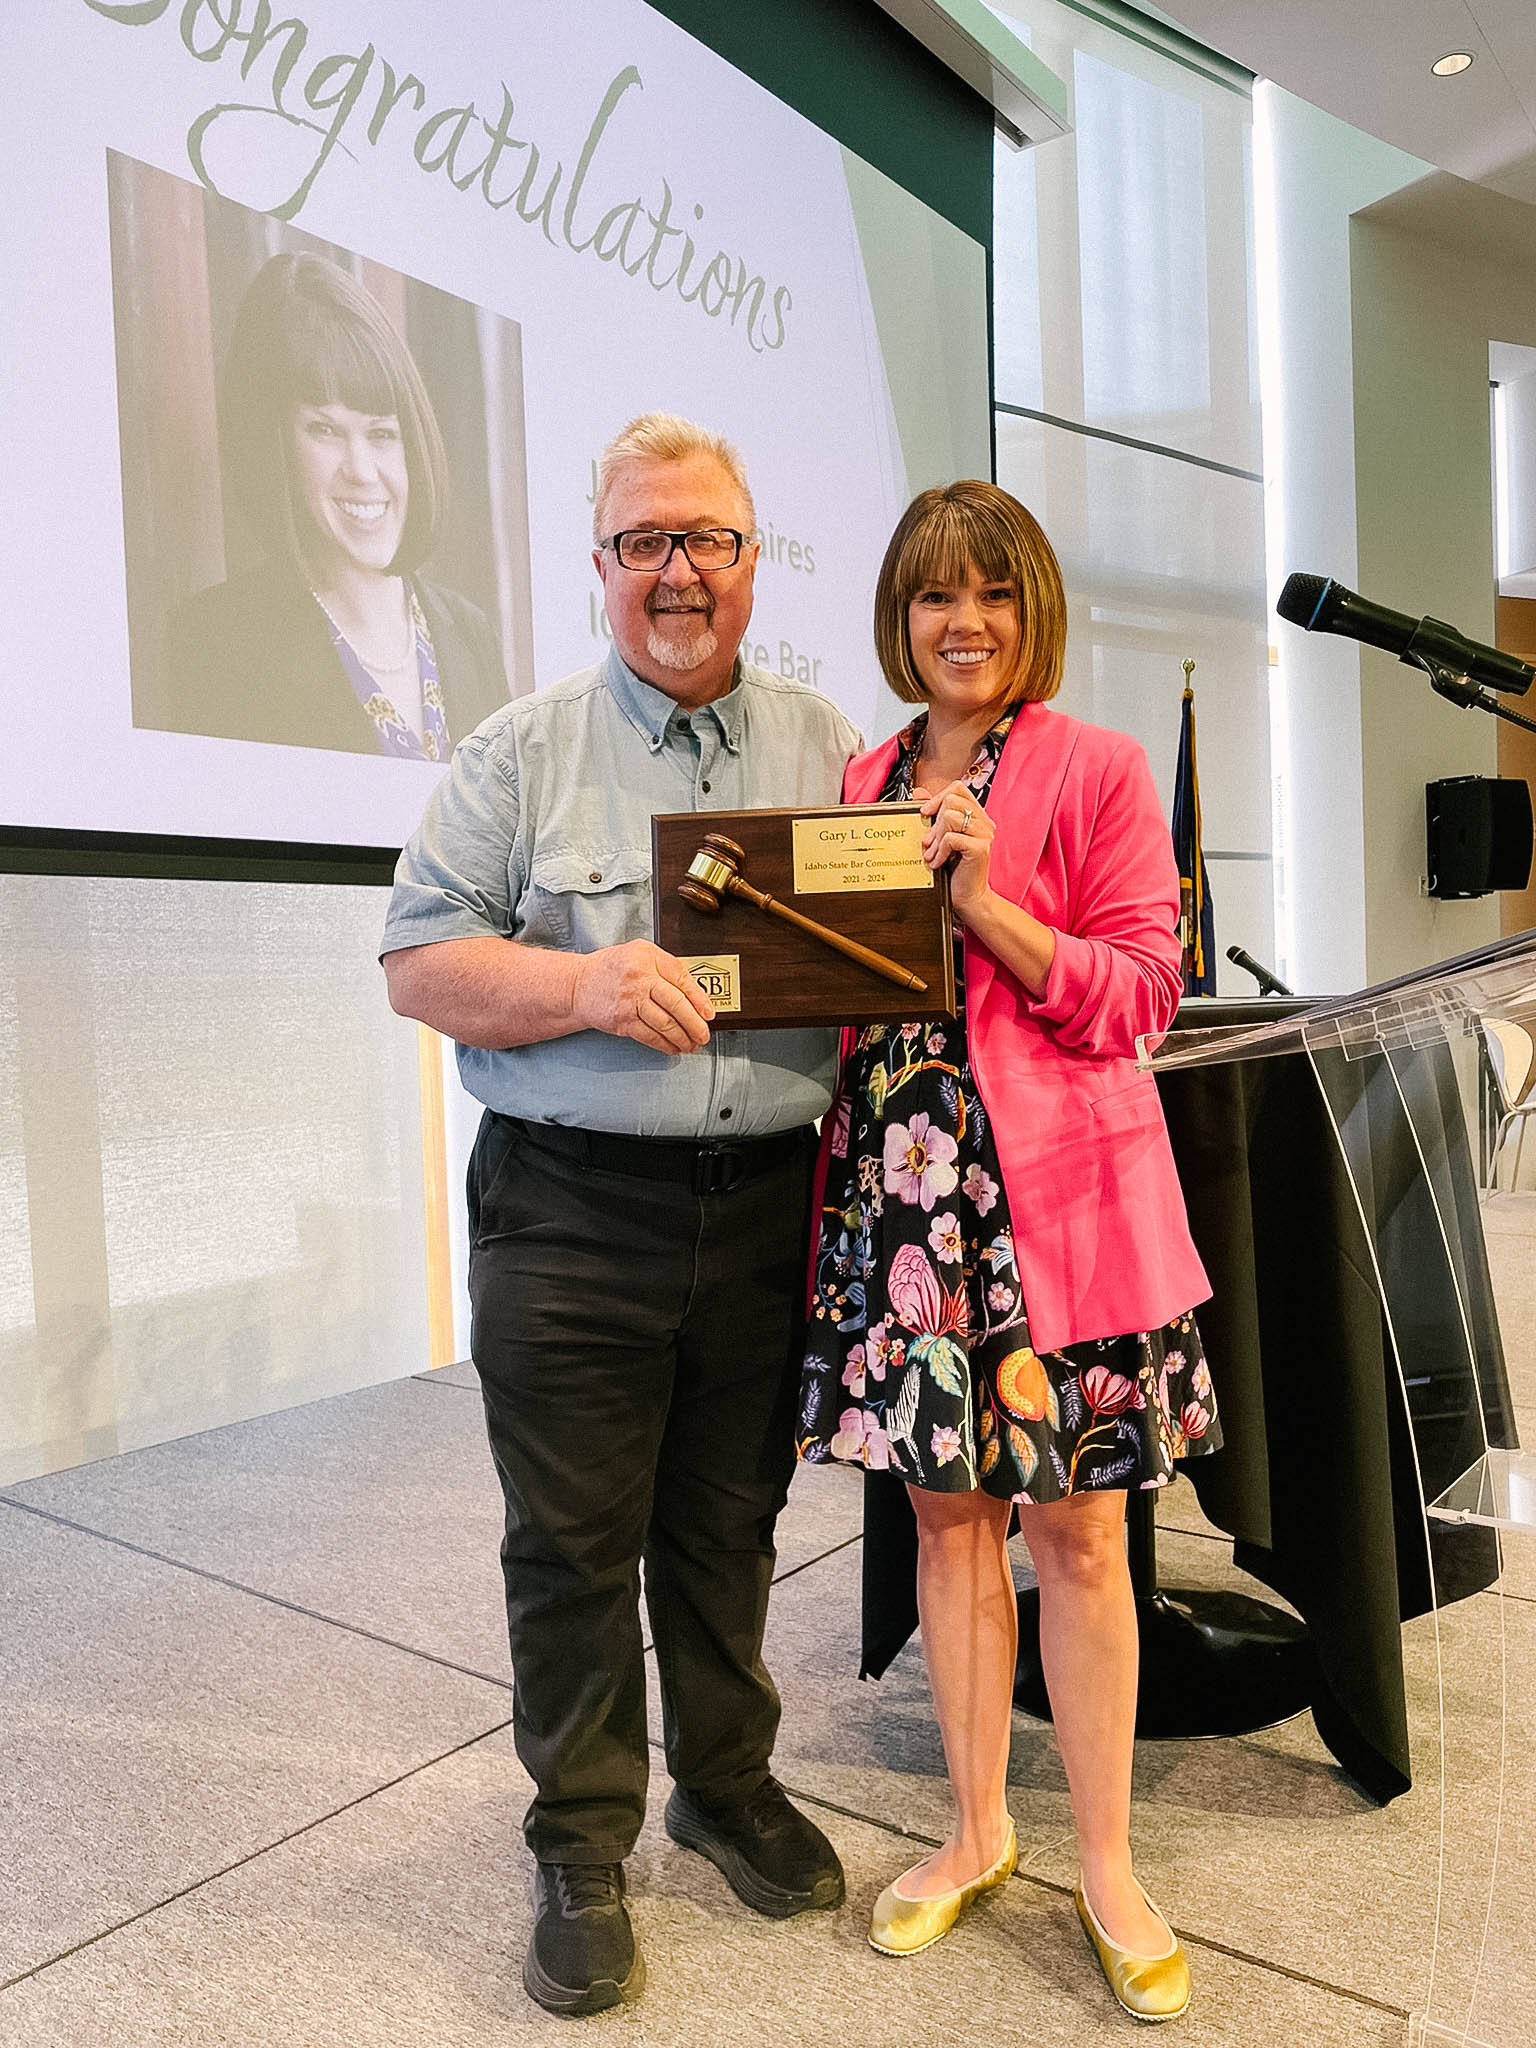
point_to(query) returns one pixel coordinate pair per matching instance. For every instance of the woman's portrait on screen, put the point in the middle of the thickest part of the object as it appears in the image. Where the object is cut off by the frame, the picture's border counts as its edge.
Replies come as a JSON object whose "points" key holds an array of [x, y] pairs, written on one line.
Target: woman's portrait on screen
{"points": [[354, 596]]}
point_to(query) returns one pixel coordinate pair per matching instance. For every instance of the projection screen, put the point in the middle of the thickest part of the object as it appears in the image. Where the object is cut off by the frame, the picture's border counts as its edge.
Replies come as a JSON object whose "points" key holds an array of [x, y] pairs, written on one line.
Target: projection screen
{"points": [[523, 225]]}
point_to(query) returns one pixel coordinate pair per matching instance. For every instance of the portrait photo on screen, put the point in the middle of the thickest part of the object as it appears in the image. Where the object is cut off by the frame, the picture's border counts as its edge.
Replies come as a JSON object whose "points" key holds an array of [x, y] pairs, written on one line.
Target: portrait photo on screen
{"points": [[325, 500]]}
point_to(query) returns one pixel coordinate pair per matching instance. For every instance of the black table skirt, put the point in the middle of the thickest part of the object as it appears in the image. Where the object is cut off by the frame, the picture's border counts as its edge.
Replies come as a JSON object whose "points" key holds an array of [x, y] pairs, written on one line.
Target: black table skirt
{"points": [[1316, 1483]]}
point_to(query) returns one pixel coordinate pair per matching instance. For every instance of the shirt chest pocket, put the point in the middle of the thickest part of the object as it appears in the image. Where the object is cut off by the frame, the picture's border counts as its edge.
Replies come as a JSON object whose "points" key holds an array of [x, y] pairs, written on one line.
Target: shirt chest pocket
{"points": [[579, 899]]}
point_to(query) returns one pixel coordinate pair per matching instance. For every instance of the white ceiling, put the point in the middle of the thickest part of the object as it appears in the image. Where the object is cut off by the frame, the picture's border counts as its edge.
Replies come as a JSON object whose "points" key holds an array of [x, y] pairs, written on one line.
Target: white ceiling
{"points": [[1368, 61]]}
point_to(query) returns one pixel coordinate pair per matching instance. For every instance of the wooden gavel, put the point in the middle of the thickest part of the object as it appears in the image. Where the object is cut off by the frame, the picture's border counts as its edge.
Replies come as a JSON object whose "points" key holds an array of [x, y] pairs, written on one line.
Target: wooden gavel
{"points": [[715, 873]]}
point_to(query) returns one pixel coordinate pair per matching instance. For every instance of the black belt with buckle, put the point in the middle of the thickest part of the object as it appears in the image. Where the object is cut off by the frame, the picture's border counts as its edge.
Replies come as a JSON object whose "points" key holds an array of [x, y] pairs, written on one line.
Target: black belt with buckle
{"points": [[705, 1169]]}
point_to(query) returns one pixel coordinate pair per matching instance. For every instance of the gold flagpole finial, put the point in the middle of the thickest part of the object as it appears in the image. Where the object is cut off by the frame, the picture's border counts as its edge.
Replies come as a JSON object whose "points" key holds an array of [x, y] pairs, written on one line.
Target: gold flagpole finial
{"points": [[1189, 669]]}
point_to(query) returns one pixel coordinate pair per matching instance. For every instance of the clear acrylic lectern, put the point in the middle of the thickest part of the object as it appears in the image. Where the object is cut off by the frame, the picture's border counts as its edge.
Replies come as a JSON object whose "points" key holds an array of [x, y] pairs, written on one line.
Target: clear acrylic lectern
{"points": [[1396, 1067]]}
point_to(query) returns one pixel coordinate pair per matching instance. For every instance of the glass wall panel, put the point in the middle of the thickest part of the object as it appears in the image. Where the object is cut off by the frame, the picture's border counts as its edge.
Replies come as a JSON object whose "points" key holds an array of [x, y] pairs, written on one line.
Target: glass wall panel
{"points": [[1123, 280], [1018, 368], [1164, 560], [1243, 904], [1123, 252], [1142, 244], [220, 1212], [15, 1260]]}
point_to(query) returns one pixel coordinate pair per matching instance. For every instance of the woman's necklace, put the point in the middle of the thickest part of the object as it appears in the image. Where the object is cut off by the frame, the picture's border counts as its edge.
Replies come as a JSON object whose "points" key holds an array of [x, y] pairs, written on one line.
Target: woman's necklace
{"points": [[377, 668], [930, 773], [929, 770]]}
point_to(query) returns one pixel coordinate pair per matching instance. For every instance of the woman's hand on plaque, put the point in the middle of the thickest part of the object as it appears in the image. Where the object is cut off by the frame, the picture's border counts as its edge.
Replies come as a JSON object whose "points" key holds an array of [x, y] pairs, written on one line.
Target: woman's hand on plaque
{"points": [[961, 833]]}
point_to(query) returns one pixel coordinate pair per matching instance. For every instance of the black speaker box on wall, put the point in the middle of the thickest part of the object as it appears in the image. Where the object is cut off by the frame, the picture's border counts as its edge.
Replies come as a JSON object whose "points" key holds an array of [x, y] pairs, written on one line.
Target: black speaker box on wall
{"points": [[1478, 830]]}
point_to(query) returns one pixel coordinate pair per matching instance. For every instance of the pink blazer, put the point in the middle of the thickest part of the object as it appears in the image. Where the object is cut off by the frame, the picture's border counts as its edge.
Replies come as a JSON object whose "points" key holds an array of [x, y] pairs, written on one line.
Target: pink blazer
{"points": [[1102, 1240]]}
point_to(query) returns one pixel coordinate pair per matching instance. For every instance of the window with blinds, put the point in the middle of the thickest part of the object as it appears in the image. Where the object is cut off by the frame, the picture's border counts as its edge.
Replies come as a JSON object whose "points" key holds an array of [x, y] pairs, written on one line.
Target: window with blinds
{"points": [[1127, 391]]}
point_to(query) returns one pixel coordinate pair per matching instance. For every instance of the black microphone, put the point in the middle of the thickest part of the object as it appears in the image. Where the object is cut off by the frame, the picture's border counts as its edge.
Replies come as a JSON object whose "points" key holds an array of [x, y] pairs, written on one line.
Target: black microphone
{"points": [[1269, 984], [1319, 605]]}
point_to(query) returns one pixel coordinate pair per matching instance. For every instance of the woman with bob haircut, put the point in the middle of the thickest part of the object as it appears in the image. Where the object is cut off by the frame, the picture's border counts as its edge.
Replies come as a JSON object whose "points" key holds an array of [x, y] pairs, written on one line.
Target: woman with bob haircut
{"points": [[331, 453], [1000, 1308]]}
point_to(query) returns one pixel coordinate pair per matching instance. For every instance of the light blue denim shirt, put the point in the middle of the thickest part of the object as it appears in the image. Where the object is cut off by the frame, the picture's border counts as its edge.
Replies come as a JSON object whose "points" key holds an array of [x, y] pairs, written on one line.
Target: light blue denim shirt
{"points": [[541, 831]]}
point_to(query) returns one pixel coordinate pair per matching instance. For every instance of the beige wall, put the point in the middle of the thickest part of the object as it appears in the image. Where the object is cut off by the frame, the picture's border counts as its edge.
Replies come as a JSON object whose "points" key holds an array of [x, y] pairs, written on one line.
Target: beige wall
{"points": [[1436, 272]]}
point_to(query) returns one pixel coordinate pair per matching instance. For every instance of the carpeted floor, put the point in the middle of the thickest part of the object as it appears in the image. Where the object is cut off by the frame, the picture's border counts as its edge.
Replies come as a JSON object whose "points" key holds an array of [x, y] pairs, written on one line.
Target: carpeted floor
{"points": [[257, 1783]]}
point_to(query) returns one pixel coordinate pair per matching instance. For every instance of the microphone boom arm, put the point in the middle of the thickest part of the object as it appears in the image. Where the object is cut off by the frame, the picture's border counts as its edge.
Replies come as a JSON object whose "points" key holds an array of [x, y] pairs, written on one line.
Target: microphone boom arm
{"points": [[1457, 687]]}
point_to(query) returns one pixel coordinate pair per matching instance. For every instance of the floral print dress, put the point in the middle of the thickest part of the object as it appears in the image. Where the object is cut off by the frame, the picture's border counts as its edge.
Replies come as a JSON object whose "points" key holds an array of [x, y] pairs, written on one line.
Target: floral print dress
{"points": [[919, 1360]]}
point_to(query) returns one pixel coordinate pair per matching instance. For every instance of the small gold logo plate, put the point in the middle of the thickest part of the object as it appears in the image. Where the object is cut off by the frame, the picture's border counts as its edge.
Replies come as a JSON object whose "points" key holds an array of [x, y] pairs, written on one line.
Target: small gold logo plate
{"points": [[719, 975]]}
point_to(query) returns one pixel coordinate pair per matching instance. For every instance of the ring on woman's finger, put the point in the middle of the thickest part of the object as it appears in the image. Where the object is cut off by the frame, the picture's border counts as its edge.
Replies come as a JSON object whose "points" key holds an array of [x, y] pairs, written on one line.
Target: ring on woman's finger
{"points": [[965, 822]]}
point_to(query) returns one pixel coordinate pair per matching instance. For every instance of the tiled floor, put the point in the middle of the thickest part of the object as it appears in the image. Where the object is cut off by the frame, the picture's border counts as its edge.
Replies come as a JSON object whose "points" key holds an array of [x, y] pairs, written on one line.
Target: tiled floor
{"points": [[258, 1787]]}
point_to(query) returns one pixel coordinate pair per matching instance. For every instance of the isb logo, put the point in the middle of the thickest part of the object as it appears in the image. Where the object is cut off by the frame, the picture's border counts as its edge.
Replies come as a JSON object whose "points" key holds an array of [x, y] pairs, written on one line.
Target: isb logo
{"points": [[719, 975]]}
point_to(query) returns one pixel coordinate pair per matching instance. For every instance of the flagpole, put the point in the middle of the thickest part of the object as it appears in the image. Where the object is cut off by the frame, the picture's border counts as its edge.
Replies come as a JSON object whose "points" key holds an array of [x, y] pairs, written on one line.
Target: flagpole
{"points": [[1197, 879]]}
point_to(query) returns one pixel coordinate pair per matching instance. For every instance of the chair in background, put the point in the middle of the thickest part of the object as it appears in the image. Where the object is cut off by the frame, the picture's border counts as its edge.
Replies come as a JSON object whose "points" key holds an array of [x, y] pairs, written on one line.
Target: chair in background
{"points": [[1512, 1061]]}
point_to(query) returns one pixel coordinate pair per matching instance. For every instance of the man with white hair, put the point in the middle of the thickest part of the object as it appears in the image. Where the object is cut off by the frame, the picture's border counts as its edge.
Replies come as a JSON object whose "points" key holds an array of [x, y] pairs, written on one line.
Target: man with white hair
{"points": [[639, 1210]]}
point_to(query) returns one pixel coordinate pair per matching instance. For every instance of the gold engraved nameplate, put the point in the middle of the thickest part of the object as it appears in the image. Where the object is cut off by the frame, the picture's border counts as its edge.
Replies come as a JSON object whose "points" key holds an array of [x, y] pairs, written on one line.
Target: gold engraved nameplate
{"points": [[836, 854]]}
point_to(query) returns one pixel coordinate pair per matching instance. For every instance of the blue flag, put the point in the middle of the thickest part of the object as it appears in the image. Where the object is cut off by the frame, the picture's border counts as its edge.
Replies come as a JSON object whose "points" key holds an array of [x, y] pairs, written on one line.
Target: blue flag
{"points": [[1197, 926]]}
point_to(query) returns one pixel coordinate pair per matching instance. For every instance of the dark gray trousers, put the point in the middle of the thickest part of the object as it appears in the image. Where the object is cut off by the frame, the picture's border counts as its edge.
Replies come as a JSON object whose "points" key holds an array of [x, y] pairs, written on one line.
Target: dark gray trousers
{"points": [[639, 1352]]}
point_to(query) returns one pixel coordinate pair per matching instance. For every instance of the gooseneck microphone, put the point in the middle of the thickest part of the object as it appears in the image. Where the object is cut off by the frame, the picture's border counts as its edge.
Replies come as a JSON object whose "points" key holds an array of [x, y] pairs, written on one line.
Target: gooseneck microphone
{"points": [[1269, 982], [1319, 605]]}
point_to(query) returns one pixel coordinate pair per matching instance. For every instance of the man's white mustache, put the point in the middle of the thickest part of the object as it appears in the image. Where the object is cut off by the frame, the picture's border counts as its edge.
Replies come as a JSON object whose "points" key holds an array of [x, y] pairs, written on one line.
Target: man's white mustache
{"points": [[702, 603]]}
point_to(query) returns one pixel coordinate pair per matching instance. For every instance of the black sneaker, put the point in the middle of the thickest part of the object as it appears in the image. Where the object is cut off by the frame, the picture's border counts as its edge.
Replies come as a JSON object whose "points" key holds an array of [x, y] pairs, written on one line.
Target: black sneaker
{"points": [[771, 1856], [583, 1956]]}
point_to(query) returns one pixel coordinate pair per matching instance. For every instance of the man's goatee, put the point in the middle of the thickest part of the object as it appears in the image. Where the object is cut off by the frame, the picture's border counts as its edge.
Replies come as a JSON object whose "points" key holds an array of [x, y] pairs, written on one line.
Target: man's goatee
{"points": [[681, 654]]}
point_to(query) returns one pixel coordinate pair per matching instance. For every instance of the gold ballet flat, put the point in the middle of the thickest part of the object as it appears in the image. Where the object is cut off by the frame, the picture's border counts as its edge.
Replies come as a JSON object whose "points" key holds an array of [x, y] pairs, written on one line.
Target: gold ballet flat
{"points": [[900, 1926], [1149, 1987]]}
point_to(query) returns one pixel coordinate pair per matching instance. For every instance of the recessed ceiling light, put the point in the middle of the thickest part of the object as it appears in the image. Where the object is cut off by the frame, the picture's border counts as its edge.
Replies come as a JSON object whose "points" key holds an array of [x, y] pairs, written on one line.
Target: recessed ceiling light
{"points": [[1447, 67]]}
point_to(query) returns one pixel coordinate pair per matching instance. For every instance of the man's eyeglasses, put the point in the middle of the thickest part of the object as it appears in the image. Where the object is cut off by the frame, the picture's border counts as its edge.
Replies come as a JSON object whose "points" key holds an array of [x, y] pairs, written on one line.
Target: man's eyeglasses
{"points": [[644, 547]]}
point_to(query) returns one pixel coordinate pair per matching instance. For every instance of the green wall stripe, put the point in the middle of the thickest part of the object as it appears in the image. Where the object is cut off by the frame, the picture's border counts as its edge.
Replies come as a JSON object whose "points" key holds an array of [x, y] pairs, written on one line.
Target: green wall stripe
{"points": [[845, 65], [167, 857], [1168, 41]]}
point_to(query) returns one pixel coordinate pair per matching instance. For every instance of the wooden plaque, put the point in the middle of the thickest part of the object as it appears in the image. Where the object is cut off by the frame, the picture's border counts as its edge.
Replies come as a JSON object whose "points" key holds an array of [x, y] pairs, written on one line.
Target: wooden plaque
{"points": [[776, 974]]}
